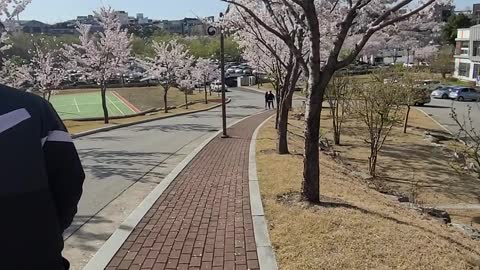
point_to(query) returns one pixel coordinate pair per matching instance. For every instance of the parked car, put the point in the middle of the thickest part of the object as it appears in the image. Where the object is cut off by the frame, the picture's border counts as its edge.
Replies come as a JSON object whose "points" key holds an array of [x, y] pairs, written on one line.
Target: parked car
{"points": [[231, 81], [442, 92], [247, 71], [232, 69], [464, 93], [423, 97], [216, 86]]}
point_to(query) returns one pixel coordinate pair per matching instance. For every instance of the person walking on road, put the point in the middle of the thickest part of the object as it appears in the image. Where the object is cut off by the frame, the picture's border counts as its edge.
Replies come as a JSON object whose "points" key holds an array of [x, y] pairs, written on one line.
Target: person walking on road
{"points": [[41, 182], [266, 100], [270, 100]]}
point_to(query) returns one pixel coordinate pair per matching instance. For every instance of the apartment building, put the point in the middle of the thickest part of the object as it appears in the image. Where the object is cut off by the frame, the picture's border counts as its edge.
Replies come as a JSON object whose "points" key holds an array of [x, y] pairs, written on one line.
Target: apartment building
{"points": [[467, 54]]}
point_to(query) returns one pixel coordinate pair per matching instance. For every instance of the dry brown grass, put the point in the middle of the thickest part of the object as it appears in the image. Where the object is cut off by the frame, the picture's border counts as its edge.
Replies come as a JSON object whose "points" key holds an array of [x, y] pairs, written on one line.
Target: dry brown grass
{"points": [[373, 233], [409, 158], [467, 216], [82, 126]]}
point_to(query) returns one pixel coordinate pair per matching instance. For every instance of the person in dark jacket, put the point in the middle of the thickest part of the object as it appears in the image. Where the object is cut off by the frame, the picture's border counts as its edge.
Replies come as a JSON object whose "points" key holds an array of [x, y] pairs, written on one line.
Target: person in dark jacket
{"points": [[270, 100], [266, 100], [41, 182]]}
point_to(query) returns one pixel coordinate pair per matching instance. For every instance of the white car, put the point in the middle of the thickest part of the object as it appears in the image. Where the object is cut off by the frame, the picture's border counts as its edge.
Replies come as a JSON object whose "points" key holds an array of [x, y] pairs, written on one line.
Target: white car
{"points": [[216, 86]]}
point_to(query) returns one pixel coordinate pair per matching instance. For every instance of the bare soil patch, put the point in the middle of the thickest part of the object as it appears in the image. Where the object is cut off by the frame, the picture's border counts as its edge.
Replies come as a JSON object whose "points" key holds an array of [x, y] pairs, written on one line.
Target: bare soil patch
{"points": [[410, 163]]}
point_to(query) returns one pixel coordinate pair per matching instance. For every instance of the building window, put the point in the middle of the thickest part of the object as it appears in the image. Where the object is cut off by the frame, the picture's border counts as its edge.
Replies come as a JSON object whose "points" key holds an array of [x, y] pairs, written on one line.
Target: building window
{"points": [[476, 48], [476, 71], [464, 69], [462, 47]]}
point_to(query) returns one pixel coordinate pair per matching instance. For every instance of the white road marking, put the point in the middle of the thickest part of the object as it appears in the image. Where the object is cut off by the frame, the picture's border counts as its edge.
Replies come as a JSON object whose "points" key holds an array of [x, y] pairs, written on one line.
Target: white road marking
{"points": [[109, 100], [76, 104], [83, 104]]}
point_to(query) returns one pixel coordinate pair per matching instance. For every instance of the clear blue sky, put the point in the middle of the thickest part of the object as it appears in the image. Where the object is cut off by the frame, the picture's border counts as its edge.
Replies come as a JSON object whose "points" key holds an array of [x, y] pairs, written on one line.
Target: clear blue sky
{"points": [[51, 11], [60, 10]]}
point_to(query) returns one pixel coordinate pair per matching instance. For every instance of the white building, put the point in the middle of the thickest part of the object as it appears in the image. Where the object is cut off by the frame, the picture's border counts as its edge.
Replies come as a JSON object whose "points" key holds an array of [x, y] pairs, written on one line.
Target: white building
{"points": [[142, 19], [467, 54], [122, 17]]}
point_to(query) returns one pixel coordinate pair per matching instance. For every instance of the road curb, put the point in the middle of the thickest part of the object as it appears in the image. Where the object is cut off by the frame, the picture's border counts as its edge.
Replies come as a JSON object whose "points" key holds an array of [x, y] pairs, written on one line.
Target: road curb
{"points": [[266, 254], [435, 121], [104, 129], [114, 243]]}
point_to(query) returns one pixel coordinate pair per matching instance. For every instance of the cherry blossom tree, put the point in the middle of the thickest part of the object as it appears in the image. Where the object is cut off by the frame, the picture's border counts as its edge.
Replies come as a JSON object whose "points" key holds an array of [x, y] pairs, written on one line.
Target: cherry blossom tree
{"points": [[4, 43], [267, 52], [205, 71], [101, 56], [185, 78], [13, 74], [169, 59], [45, 72], [426, 54], [328, 25], [11, 8], [8, 10]]}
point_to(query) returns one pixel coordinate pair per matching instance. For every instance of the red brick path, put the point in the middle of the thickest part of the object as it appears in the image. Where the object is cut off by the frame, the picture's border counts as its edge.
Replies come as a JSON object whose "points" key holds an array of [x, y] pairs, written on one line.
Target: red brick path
{"points": [[203, 220]]}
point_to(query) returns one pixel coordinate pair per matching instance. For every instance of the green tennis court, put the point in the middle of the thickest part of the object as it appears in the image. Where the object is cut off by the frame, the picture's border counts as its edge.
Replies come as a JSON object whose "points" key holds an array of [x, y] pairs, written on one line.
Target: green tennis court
{"points": [[84, 105]]}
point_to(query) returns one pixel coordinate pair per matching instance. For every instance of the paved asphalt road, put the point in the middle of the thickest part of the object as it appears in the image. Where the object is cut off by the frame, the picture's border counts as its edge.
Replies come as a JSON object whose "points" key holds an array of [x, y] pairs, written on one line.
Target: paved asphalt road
{"points": [[114, 160], [440, 110]]}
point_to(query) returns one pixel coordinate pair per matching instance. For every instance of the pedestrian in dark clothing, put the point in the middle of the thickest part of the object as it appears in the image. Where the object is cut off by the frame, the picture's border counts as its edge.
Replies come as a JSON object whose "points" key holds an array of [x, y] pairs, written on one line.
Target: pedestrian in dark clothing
{"points": [[266, 100], [270, 100], [41, 182]]}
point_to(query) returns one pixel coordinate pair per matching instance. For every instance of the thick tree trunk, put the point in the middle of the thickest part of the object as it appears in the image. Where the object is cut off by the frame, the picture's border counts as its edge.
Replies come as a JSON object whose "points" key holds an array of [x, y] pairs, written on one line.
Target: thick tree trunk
{"points": [[103, 91], [186, 98], [206, 95], [405, 124], [282, 142], [311, 163], [165, 100], [284, 108], [277, 116]]}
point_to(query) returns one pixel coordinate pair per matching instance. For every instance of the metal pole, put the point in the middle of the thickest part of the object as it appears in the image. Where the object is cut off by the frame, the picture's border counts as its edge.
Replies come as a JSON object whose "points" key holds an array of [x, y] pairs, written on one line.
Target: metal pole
{"points": [[222, 66]]}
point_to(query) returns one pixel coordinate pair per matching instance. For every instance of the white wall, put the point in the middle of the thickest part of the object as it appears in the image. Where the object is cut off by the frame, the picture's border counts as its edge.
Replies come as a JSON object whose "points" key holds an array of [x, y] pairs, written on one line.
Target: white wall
{"points": [[457, 64], [463, 34]]}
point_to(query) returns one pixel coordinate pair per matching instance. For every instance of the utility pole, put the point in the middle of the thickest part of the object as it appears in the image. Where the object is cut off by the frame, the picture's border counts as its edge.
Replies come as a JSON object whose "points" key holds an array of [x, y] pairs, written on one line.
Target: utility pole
{"points": [[222, 67]]}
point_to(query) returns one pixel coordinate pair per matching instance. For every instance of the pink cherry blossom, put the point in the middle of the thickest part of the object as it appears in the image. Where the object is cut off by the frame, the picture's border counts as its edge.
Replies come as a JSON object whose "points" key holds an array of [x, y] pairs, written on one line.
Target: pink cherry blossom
{"points": [[45, 72], [101, 56], [168, 66], [327, 26]]}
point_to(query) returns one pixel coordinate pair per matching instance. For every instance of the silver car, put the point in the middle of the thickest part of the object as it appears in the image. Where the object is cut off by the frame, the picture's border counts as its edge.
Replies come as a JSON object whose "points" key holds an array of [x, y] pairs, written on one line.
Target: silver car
{"points": [[216, 86], [442, 92], [464, 93]]}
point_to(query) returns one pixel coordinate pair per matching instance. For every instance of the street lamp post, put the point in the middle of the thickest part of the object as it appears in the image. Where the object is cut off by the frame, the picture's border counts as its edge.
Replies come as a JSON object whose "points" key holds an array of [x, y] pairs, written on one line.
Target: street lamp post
{"points": [[222, 67]]}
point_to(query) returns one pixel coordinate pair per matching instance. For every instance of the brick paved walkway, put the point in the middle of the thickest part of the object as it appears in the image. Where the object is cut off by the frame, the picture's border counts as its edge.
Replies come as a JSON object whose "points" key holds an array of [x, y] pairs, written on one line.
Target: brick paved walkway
{"points": [[203, 220]]}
